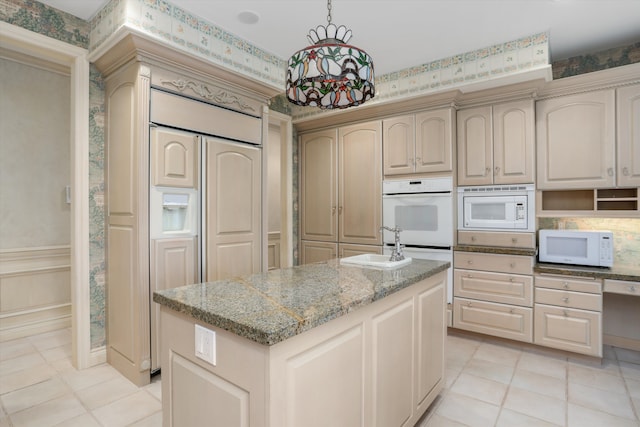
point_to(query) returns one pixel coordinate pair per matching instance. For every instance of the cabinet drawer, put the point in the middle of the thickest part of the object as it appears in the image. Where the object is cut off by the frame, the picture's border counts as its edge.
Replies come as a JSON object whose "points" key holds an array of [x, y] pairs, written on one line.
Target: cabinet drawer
{"points": [[502, 239], [500, 320], [496, 287], [515, 264], [569, 329], [569, 299], [569, 283], [622, 287]]}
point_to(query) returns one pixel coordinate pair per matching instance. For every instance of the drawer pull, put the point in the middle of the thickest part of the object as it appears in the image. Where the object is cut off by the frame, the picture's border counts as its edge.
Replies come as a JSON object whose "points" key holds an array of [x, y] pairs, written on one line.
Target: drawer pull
{"points": [[565, 285], [512, 265], [470, 276], [566, 300], [511, 311], [566, 313], [469, 262], [632, 288], [468, 304], [473, 238], [511, 279], [514, 240]]}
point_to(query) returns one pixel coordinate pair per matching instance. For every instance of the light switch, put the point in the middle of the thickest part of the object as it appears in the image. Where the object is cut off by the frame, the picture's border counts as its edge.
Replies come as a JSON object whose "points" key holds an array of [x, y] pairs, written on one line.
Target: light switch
{"points": [[206, 344]]}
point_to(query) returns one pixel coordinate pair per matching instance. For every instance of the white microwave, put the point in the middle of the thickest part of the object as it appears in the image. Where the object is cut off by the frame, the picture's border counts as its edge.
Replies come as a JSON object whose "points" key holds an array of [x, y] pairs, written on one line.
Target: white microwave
{"points": [[593, 248], [497, 208]]}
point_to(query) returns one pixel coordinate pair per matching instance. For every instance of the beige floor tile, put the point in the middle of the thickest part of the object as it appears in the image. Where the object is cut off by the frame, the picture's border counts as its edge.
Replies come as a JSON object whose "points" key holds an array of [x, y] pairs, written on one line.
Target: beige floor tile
{"points": [[450, 375], [34, 395], [84, 420], [128, 410], [468, 411], [536, 405], [437, 420], [154, 420], [628, 356], [584, 417], [633, 386], [509, 418], [594, 377], [498, 354], [155, 388], [608, 366], [480, 388], [106, 392], [57, 353], [15, 348], [25, 378], [50, 413], [601, 400], [490, 370], [52, 339], [26, 361], [630, 370], [541, 384], [544, 364], [80, 379]]}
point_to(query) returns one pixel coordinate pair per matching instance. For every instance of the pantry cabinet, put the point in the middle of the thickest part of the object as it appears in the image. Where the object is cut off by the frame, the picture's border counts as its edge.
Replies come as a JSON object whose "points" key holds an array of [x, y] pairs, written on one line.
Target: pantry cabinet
{"points": [[496, 144], [418, 143], [576, 141], [341, 189], [493, 294], [568, 314]]}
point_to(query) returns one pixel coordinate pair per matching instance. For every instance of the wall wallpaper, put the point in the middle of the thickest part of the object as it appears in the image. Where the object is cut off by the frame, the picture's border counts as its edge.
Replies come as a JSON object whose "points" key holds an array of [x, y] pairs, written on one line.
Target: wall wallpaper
{"points": [[249, 59]]}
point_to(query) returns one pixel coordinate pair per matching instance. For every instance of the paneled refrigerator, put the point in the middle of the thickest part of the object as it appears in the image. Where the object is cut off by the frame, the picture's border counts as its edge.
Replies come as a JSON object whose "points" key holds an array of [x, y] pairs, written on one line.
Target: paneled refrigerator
{"points": [[204, 212]]}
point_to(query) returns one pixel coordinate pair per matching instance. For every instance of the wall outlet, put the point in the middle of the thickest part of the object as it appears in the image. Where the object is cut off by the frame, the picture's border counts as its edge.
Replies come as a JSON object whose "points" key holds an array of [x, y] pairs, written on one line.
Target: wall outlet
{"points": [[206, 344]]}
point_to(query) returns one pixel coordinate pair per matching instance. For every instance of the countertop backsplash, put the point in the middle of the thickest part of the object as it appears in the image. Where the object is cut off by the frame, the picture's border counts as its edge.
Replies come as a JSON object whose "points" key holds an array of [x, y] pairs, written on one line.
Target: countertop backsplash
{"points": [[626, 234]]}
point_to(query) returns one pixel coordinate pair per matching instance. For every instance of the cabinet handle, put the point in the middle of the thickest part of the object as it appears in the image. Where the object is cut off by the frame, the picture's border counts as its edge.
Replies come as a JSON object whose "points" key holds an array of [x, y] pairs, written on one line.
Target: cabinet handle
{"points": [[565, 300], [511, 279], [514, 240], [469, 262], [473, 238], [632, 288], [511, 311], [333, 210], [486, 171], [512, 265], [566, 313], [610, 171], [339, 210], [417, 160], [468, 304], [565, 285], [497, 170], [625, 171]]}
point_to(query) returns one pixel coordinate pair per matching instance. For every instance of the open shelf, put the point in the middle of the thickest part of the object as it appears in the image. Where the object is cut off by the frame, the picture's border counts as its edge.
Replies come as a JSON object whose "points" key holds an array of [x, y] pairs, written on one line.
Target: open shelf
{"points": [[594, 202]]}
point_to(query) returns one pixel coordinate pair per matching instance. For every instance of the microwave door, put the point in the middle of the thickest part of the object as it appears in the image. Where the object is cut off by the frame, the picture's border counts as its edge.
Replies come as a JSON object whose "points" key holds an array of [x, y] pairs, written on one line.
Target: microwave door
{"points": [[489, 212]]}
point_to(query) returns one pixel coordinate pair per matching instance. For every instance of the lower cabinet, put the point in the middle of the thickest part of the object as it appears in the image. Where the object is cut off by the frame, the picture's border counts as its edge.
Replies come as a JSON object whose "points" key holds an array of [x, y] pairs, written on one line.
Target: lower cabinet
{"points": [[568, 314], [493, 294]]}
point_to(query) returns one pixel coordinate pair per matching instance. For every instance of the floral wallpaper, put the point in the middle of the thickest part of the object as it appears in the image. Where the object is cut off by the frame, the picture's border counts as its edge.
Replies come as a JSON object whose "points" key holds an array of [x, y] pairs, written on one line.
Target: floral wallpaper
{"points": [[56, 24]]}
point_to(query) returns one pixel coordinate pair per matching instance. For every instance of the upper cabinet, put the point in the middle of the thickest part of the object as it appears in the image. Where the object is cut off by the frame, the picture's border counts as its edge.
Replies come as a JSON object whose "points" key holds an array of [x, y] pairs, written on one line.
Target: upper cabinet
{"points": [[418, 143], [628, 162], [576, 141], [496, 144]]}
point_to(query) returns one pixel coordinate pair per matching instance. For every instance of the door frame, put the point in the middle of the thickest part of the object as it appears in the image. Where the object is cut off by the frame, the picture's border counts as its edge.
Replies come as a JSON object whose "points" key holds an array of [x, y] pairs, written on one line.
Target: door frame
{"points": [[49, 49]]}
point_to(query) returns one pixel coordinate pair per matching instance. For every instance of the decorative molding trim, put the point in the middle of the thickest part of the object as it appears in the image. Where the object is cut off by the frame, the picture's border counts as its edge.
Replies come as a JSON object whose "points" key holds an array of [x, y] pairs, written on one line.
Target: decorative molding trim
{"points": [[221, 97]]}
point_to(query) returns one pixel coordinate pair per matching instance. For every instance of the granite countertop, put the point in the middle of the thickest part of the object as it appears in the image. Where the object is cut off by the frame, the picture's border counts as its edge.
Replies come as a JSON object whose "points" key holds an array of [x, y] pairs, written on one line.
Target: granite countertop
{"points": [[270, 307], [496, 250], [617, 272]]}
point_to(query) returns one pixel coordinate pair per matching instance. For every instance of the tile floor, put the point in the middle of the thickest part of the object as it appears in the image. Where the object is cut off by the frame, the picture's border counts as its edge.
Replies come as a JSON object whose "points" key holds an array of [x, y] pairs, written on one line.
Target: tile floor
{"points": [[489, 383]]}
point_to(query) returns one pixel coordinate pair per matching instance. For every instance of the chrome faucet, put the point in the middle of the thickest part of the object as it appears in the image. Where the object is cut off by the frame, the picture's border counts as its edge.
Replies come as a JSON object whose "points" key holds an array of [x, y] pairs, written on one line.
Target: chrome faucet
{"points": [[397, 254]]}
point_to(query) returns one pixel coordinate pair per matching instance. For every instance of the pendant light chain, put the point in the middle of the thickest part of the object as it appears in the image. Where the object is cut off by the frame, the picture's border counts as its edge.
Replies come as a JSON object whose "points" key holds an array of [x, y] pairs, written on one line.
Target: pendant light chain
{"points": [[329, 9]]}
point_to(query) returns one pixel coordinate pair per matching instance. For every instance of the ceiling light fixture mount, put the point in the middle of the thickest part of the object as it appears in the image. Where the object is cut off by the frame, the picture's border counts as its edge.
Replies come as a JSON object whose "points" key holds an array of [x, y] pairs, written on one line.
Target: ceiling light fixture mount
{"points": [[330, 73]]}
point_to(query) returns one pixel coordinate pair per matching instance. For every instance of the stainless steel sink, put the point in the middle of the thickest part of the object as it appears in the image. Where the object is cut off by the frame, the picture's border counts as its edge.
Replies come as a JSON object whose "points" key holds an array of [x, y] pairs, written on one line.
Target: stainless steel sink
{"points": [[375, 261]]}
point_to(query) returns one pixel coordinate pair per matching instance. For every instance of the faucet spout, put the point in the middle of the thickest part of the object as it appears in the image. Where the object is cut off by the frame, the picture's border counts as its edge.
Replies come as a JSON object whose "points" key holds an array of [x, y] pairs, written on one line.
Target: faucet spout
{"points": [[397, 254]]}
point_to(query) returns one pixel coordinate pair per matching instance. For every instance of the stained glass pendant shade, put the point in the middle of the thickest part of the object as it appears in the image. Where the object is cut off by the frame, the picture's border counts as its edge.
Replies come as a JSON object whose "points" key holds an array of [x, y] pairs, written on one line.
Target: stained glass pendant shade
{"points": [[330, 73]]}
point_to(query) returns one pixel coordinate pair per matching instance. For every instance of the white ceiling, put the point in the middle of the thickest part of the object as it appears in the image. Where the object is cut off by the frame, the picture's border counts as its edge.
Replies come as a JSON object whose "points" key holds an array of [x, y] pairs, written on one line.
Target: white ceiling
{"points": [[403, 33]]}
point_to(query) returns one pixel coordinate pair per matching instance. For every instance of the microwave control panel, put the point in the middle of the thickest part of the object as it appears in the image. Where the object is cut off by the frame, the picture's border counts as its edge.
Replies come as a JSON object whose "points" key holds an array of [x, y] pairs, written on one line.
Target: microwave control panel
{"points": [[521, 211]]}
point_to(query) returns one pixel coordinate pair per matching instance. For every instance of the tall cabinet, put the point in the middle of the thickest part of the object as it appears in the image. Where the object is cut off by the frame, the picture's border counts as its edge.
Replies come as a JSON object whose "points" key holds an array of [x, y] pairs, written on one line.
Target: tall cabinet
{"points": [[143, 88], [341, 192]]}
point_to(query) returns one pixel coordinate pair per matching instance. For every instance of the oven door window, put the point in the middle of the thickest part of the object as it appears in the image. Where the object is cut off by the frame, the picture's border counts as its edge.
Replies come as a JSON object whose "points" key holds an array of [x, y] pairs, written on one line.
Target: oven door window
{"points": [[417, 218]]}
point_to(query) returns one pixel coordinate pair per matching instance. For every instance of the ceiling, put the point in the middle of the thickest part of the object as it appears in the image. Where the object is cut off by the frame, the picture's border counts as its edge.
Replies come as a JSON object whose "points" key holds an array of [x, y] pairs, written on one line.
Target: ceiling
{"points": [[403, 33]]}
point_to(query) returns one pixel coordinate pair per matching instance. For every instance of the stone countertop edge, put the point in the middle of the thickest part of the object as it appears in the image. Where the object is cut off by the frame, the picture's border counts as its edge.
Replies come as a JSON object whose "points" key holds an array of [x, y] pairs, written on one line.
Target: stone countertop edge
{"points": [[625, 273], [270, 307], [496, 250]]}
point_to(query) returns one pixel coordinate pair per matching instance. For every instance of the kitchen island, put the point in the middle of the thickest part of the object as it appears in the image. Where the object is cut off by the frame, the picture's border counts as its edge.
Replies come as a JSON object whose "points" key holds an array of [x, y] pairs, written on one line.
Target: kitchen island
{"points": [[316, 345]]}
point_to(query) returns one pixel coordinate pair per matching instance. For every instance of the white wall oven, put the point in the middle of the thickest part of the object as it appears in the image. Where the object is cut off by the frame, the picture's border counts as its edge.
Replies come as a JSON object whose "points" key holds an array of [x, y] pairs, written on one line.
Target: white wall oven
{"points": [[497, 208], [423, 210]]}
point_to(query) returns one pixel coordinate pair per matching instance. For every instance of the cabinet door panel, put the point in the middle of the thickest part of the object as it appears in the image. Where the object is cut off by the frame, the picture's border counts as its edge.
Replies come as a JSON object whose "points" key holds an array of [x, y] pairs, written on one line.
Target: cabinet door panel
{"points": [[319, 186], [399, 145], [430, 342], [360, 184], [311, 251], [513, 154], [496, 287], [629, 136], [233, 223], [500, 320], [173, 158], [475, 140], [576, 141], [434, 141], [569, 329]]}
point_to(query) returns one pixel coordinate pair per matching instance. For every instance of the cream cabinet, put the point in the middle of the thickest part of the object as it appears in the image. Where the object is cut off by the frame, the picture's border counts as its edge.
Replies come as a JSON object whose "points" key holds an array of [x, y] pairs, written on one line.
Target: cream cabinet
{"points": [[628, 130], [341, 189], [493, 294], [576, 141], [568, 314], [314, 251], [174, 157], [501, 238], [418, 143], [496, 144]]}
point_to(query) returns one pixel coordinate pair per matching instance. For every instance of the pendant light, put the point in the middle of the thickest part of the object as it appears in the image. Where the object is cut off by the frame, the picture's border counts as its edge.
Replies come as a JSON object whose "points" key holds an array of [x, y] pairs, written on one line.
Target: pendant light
{"points": [[330, 73]]}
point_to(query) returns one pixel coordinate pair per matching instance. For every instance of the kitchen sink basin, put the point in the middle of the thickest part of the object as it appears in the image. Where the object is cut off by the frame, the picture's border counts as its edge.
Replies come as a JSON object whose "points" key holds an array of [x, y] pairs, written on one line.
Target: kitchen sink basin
{"points": [[375, 261]]}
